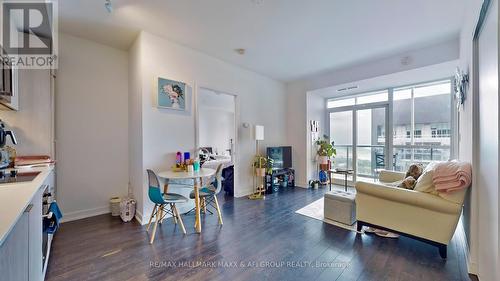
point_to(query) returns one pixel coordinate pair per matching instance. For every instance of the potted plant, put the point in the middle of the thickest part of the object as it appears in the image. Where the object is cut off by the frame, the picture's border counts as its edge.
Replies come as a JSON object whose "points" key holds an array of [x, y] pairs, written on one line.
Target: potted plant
{"points": [[325, 150], [262, 165]]}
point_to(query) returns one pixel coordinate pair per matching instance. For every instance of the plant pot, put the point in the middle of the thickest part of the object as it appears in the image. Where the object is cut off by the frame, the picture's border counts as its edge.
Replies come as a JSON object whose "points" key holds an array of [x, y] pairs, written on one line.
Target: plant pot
{"points": [[323, 159], [323, 167], [260, 172], [316, 185]]}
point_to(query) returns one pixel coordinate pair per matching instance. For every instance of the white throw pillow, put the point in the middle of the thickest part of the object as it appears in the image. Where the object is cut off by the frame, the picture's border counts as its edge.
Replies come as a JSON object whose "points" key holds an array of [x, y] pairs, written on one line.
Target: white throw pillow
{"points": [[424, 182]]}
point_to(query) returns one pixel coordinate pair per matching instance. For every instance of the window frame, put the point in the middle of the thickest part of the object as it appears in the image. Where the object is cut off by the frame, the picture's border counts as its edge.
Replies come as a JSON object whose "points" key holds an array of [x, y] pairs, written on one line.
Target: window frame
{"points": [[389, 105]]}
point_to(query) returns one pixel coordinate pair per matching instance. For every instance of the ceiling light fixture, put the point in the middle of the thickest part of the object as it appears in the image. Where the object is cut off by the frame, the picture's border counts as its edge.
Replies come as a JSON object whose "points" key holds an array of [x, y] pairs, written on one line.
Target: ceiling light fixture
{"points": [[240, 51], [109, 6]]}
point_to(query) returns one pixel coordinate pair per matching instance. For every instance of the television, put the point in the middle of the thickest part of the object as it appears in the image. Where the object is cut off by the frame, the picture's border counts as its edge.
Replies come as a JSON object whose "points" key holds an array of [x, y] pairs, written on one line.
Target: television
{"points": [[282, 156]]}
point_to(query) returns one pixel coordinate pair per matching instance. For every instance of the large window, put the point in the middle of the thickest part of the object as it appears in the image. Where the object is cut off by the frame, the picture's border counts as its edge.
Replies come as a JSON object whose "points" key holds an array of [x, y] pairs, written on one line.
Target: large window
{"points": [[421, 123], [366, 98], [368, 138]]}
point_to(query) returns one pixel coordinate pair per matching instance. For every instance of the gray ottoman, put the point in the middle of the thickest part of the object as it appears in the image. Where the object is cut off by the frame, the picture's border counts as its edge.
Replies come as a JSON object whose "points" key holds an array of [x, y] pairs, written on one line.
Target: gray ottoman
{"points": [[340, 207]]}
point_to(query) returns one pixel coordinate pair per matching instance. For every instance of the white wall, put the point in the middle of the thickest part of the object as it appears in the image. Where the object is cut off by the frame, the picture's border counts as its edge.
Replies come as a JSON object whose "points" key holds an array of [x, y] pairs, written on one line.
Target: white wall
{"points": [[91, 126], [487, 173], [216, 120], [316, 110], [135, 167], [487, 169], [32, 124], [479, 143], [297, 121], [466, 131], [261, 100]]}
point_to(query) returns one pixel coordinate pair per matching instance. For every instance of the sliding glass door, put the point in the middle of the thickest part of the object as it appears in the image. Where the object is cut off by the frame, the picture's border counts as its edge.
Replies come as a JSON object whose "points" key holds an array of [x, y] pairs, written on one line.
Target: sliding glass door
{"points": [[341, 132], [358, 128], [371, 142]]}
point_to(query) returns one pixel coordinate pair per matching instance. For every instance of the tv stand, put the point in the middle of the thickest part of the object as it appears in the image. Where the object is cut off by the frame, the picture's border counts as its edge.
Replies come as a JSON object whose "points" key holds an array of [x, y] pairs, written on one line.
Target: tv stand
{"points": [[279, 178]]}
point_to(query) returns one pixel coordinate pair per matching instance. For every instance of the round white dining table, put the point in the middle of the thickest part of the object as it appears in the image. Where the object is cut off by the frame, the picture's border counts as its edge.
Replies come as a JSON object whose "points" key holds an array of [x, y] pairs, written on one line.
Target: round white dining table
{"points": [[196, 176]]}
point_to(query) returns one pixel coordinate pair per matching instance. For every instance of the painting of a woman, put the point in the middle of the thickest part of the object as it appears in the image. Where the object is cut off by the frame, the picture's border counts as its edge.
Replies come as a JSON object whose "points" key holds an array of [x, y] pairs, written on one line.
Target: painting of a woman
{"points": [[171, 94]]}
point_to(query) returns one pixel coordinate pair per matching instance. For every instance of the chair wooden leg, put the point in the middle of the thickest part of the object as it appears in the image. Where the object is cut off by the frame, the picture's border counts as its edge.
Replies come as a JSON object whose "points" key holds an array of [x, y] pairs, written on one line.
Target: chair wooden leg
{"points": [[173, 214], [197, 204], [204, 201], [178, 216], [151, 217], [156, 225], [218, 209]]}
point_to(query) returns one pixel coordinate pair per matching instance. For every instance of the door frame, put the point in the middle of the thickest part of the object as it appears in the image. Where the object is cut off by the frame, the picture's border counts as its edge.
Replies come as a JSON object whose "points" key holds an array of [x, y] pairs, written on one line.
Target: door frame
{"points": [[354, 109], [472, 251], [235, 152]]}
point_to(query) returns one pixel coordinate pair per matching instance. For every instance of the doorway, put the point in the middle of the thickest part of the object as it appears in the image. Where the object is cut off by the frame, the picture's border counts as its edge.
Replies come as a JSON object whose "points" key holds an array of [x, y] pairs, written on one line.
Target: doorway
{"points": [[216, 131], [361, 141]]}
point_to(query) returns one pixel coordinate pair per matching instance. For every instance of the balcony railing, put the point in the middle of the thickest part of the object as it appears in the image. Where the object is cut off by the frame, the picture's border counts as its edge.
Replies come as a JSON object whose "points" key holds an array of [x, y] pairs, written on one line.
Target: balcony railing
{"points": [[371, 158]]}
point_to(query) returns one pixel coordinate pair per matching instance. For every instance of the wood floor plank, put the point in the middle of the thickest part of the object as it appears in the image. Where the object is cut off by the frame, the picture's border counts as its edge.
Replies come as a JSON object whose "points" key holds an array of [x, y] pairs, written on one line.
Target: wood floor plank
{"points": [[260, 240]]}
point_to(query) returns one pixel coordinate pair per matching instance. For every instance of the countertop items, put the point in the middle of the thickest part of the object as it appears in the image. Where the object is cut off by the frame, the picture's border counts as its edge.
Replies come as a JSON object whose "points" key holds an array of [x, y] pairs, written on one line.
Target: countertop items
{"points": [[15, 197], [33, 161]]}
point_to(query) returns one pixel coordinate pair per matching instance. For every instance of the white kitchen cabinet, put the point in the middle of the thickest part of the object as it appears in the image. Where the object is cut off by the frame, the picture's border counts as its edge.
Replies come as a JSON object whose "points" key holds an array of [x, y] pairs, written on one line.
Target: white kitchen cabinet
{"points": [[21, 252], [14, 252]]}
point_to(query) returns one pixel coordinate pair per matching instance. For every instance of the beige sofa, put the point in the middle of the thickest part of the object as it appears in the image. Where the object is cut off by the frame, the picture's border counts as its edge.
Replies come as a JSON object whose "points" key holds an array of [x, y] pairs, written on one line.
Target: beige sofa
{"points": [[422, 216]]}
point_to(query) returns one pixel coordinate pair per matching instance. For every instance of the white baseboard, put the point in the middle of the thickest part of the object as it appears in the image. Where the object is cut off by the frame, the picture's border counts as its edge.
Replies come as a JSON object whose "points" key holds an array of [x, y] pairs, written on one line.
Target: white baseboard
{"points": [[77, 215], [471, 266], [139, 218], [243, 193]]}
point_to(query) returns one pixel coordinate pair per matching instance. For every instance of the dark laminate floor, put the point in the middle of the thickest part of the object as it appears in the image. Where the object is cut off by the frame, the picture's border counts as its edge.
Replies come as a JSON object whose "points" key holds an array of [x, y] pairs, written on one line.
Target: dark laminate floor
{"points": [[257, 236]]}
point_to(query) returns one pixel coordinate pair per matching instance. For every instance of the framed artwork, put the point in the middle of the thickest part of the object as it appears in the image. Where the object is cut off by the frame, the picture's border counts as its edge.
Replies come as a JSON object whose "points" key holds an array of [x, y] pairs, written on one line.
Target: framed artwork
{"points": [[171, 94]]}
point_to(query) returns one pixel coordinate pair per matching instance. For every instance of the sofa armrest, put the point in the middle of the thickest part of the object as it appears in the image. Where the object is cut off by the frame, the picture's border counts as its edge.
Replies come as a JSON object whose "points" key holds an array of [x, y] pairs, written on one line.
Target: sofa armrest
{"points": [[391, 176], [406, 196]]}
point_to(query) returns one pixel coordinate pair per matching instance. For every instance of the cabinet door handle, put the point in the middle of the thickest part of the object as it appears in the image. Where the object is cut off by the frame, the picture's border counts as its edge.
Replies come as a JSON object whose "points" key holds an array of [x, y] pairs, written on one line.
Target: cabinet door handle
{"points": [[28, 209]]}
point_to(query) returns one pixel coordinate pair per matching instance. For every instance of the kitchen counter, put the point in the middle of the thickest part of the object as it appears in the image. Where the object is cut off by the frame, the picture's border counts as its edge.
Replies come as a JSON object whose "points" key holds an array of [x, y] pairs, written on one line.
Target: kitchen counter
{"points": [[15, 197]]}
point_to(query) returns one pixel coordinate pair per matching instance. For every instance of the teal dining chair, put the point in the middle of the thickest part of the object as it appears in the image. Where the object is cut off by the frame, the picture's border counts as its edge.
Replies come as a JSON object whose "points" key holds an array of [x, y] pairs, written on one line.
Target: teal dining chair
{"points": [[164, 204], [208, 194]]}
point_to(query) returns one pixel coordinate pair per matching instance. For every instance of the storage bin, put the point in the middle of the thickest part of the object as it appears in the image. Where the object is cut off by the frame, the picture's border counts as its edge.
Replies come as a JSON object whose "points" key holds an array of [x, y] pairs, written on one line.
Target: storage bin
{"points": [[114, 204], [340, 207]]}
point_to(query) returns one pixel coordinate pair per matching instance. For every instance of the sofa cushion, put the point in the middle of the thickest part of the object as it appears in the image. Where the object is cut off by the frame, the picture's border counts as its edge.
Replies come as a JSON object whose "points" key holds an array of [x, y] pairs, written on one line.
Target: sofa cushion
{"points": [[424, 182], [406, 196]]}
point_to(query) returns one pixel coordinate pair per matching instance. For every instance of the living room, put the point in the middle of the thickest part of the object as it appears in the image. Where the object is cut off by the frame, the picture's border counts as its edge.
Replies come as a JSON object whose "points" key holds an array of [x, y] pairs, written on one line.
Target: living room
{"points": [[250, 140]]}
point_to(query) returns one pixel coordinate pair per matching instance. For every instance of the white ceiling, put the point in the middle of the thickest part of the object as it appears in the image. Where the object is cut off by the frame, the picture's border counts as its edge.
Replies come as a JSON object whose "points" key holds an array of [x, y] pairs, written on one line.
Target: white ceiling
{"points": [[284, 39]]}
